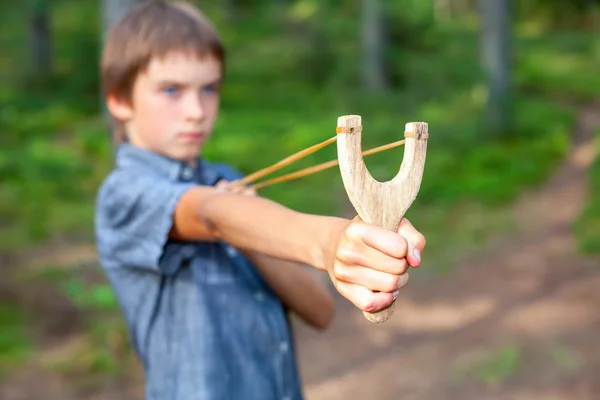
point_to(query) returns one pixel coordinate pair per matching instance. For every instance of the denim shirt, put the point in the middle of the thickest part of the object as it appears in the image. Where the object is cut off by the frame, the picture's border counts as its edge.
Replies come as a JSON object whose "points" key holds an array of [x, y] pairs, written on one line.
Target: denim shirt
{"points": [[202, 320]]}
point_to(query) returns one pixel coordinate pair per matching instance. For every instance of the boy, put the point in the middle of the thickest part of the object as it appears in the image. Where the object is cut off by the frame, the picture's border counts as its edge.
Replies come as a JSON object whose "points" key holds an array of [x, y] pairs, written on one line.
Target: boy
{"points": [[203, 275]]}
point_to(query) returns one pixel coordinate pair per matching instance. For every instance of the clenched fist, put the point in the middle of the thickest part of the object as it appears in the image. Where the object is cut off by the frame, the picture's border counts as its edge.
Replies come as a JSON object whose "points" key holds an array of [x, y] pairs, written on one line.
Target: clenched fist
{"points": [[369, 264]]}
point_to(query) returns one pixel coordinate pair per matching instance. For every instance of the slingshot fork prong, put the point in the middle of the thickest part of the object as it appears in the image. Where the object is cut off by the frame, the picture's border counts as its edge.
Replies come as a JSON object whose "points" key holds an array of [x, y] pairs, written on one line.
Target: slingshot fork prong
{"points": [[381, 203]]}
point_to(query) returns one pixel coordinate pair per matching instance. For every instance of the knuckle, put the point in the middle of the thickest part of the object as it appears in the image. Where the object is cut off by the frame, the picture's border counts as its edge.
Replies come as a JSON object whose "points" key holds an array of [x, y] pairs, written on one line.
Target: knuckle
{"points": [[408, 230], [346, 254], [392, 283], [398, 266], [406, 225], [341, 272], [355, 230]]}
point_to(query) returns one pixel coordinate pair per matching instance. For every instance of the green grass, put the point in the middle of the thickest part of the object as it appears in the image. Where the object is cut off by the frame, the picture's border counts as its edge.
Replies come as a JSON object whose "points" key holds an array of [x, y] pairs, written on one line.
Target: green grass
{"points": [[16, 345], [495, 367], [587, 226], [567, 358]]}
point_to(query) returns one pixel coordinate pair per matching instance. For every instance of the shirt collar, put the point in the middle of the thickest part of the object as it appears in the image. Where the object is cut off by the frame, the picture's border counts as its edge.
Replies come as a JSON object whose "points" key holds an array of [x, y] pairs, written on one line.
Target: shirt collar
{"points": [[129, 155]]}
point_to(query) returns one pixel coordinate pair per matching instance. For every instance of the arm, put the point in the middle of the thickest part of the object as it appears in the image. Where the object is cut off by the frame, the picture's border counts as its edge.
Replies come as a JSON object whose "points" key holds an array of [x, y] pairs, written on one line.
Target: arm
{"points": [[297, 289], [366, 263], [257, 224]]}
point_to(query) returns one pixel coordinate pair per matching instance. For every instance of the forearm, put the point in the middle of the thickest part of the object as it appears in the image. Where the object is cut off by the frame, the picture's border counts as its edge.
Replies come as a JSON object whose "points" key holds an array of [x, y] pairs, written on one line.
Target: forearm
{"points": [[263, 226], [296, 288]]}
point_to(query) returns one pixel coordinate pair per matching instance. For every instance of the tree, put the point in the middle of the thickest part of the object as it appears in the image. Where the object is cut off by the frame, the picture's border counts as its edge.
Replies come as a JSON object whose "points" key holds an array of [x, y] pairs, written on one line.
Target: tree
{"points": [[113, 10], [495, 54], [373, 45], [41, 37]]}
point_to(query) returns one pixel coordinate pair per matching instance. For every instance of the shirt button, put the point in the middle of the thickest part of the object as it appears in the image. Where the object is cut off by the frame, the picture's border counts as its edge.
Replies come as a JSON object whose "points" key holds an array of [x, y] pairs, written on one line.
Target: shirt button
{"points": [[283, 346], [287, 398], [231, 251], [187, 173], [260, 296]]}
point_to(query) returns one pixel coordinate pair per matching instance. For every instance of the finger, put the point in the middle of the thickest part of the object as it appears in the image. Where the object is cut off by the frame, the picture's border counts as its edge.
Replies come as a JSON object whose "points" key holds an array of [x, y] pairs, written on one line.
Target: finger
{"points": [[385, 241], [363, 298], [223, 186], [227, 186], [416, 242], [247, 191], [370, 278], [360, 255]]}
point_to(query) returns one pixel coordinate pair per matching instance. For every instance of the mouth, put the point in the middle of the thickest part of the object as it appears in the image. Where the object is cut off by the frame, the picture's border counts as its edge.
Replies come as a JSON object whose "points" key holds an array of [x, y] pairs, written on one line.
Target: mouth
{"points": [[192, 136]]}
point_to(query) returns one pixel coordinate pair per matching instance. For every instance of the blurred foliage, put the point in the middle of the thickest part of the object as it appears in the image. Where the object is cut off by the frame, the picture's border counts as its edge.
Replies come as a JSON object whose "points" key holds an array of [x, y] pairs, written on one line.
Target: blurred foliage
{"points": [[291, 73], [16, 344], [95, 297]]}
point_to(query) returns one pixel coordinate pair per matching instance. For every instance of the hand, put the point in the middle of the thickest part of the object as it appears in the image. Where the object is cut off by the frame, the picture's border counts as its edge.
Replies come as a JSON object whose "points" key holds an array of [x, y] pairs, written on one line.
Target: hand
{"points": [[244, 190], [370, 263]]}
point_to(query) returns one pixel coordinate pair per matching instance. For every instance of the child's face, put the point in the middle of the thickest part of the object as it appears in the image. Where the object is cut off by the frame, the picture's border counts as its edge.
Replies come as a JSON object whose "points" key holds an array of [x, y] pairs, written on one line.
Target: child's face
{"points": [[175, 102]]}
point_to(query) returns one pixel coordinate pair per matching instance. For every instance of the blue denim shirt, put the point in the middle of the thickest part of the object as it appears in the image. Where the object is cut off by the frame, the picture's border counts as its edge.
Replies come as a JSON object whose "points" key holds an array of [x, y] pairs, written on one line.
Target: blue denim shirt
{"points": [[202, 320]]}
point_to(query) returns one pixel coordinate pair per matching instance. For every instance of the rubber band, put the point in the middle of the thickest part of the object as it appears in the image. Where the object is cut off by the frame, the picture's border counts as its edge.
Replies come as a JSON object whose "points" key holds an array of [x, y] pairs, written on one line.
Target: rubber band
{"points": [[351, 129], [416, 136]]}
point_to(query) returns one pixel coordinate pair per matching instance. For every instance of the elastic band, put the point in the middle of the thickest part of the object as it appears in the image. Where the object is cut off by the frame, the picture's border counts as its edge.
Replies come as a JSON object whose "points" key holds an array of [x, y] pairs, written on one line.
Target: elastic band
{"points": [[351, 129], [416, 136]]}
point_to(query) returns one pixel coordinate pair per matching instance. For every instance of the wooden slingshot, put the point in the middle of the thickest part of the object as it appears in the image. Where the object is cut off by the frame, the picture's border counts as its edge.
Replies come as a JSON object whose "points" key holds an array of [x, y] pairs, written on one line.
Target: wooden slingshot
{"points": [[379, 203]]}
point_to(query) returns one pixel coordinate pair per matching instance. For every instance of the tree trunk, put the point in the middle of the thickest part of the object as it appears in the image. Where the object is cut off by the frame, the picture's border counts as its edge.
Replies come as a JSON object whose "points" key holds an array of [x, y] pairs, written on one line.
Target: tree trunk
{"points": [[114, 10], [495, 53], [41, 37], [373, 45]]}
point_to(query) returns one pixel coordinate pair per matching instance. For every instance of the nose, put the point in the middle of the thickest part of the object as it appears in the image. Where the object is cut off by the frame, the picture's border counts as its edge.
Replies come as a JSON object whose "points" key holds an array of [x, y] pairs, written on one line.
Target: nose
{"points": [[194, 107]]}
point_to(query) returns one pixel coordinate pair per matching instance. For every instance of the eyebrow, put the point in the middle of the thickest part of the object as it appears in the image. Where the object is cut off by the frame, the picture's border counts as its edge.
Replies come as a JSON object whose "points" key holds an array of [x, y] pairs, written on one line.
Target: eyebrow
{"points": [[172, 82]]}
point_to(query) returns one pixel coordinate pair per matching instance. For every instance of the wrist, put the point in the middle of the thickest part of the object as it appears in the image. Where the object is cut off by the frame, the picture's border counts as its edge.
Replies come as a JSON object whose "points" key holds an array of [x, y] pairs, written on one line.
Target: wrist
{"points": [[328, 237]]}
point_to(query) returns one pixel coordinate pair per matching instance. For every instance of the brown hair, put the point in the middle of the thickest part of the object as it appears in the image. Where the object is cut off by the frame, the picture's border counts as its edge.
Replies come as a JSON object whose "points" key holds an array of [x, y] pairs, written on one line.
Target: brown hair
{"points": [[153, 29]]}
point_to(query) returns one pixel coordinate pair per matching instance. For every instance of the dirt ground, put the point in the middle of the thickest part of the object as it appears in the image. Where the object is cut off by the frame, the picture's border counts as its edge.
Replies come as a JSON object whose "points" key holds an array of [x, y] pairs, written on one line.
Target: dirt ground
{"points": [[519, 320]]}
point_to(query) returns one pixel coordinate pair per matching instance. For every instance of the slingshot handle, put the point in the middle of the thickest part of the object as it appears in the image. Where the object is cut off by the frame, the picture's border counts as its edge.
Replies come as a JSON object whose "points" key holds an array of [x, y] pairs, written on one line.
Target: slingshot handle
{"points": [[381, 203]]}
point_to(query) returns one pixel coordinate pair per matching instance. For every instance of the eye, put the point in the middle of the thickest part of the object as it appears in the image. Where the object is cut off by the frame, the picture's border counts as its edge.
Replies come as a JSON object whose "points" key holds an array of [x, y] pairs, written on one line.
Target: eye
{"points": [[170, 90], [212, 89]]}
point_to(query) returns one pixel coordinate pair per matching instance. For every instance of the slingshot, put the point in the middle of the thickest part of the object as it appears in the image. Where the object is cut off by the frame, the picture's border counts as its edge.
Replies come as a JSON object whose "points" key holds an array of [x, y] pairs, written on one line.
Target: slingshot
{"points": [[379, 203]]}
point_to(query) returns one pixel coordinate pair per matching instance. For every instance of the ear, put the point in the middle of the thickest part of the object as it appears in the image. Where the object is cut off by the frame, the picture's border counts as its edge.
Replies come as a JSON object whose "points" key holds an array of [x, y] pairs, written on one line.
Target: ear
{"points": [[119, 107]]}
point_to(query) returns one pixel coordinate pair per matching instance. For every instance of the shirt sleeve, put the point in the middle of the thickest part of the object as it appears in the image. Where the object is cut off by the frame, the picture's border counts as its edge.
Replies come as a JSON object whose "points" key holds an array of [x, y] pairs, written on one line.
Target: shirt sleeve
{"points": [[134, 215]]}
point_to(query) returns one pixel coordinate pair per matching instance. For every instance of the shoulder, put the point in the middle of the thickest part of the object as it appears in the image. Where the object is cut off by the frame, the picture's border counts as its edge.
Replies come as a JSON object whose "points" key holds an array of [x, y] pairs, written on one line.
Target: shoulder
{"points": [[123, 186], [130, 193]]}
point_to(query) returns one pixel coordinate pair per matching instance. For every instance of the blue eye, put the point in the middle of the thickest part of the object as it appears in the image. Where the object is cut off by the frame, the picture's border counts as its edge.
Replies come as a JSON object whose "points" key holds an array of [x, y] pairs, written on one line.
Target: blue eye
{"points": [[171, 90], [210, 89]]}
